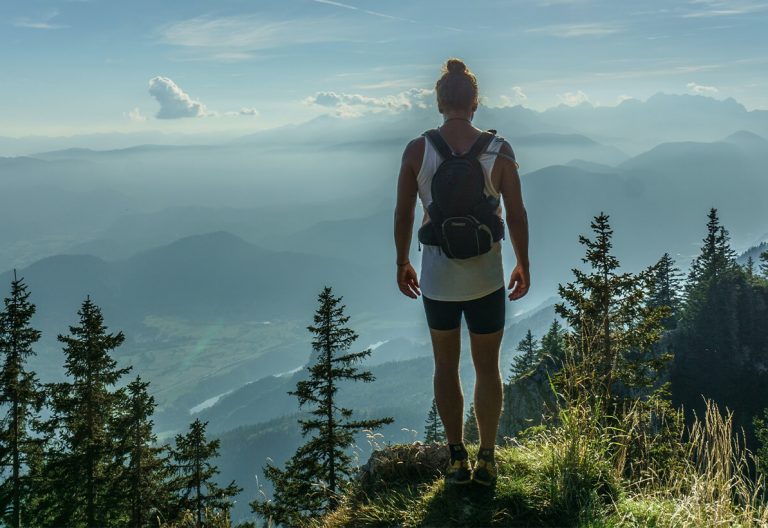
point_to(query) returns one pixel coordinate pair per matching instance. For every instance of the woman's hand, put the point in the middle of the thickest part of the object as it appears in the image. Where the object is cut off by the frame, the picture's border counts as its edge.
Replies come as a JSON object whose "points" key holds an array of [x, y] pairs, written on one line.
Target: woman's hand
{"points": [[519, 282], [407, 281]]}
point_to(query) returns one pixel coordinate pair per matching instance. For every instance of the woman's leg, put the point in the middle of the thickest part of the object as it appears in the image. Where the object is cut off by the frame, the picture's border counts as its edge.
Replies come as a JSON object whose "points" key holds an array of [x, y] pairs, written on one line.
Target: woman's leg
{"points": [[449, 398], [485, 319], [488, 386]]}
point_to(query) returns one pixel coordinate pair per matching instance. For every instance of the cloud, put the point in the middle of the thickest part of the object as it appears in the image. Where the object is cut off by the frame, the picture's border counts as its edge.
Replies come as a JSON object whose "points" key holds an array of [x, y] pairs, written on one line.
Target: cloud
{"points": [[576, 30], [383, 15], [620, 99], [135, 115], [40, 22], [237, 38], [517, 97], [718, 8], [700, 89], [353, 105], [366, 11], [244, 111], [174, 102], [573, 98]]}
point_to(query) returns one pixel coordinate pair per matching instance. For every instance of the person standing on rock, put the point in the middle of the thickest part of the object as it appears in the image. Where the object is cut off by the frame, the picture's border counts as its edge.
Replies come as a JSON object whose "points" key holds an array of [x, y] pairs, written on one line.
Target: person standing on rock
{"points": [[461, 174]]}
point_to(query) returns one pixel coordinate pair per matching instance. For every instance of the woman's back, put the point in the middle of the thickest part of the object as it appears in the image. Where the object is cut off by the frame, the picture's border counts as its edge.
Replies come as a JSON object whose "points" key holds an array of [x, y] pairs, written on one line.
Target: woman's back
{"points": [[449, 279]]}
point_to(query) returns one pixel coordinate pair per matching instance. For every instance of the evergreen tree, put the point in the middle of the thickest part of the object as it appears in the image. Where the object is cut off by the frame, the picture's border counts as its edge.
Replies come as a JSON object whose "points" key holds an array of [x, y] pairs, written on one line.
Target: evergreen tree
{"points": [[721, 336], [527, 358], [764, 264], [613, 326], [145, 468], [665, 289], [749, 268], [553, 344], [80, 463], [191, 458], [433, 428], [21, 398], [716, 260], [311, 480], [471, 433]]}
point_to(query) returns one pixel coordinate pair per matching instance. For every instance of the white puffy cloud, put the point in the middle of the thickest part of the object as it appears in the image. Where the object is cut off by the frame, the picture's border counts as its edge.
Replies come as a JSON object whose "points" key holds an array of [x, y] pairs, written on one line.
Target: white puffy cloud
{"points": [[174, 102], [352, 105], [517, 97], [248, 111], [574, 98], [244, 111], [135, 115], [700, 89]]}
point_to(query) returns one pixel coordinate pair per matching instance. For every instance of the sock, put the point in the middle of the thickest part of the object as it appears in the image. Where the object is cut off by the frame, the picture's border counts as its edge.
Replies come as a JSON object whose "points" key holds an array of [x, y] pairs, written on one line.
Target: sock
{"points": [[486, 453], [458, 451]]}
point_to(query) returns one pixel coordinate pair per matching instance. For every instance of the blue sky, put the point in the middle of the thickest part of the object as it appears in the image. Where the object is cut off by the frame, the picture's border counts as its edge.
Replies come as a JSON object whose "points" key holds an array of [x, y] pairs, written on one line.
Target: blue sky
{"points": [[87, 66]]}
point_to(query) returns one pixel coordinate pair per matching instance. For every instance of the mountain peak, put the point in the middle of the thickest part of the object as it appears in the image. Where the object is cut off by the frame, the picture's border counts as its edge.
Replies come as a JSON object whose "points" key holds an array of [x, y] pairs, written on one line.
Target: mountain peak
{"points": [[667, 99], [745, 137]]}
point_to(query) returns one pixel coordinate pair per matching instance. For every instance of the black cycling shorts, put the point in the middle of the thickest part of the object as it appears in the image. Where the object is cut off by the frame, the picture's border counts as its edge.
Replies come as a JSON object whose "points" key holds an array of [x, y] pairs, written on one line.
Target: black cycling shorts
{"points": [[484, 315]]}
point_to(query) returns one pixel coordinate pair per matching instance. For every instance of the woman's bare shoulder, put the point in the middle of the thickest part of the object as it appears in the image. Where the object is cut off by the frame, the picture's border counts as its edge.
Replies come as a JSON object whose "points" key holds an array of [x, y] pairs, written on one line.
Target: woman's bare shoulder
{"points": [[414, 152]]}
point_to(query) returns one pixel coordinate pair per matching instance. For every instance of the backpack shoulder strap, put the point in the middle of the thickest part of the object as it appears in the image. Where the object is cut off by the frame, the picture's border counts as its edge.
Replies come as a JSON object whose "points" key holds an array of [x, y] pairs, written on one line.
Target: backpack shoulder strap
{"points": [[507, 156], [439, 143], [481, 143]]}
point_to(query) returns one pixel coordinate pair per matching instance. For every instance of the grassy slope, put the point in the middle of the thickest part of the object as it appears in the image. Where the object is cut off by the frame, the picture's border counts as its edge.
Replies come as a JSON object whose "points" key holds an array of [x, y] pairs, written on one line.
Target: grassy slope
{"points": [[528, 493]]}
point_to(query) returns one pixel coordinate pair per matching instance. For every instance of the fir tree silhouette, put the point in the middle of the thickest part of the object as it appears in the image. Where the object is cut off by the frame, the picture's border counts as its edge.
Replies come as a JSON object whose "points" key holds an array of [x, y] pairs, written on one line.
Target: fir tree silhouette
{"points": [[145, 466], [433, 428], [21, 398], [471, 433], [613, 327], [194, 470], [666, 282], [527, 358], [80, 461], [309, 484]]}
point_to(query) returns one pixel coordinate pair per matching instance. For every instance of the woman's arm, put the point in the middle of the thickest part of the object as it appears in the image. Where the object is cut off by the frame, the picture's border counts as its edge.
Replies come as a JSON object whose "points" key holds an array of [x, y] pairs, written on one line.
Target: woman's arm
{"points": [[407, 189], [517, 222]]}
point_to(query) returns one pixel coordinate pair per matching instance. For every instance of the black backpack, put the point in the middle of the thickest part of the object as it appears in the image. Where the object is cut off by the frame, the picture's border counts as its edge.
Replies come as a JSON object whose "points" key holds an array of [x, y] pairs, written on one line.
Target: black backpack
{"points": [[462, 219]]}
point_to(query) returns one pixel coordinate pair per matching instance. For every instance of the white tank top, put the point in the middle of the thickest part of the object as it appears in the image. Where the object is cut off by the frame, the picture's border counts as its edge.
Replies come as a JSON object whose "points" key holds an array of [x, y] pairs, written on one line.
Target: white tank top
{"points": [[447, 279]]}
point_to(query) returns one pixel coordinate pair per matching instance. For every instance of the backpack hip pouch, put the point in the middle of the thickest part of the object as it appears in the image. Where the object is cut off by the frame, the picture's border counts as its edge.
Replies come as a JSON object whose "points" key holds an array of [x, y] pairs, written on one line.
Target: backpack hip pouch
{"points": [[463, 237]]}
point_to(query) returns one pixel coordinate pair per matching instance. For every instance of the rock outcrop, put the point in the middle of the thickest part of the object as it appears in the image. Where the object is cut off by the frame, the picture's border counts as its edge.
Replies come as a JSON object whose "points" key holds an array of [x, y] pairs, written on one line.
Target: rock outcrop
{"points": [[404, 462]]}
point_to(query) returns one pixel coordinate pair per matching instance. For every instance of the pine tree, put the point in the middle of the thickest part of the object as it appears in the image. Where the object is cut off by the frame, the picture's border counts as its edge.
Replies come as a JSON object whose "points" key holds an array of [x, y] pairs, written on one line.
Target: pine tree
{"points": [[764, 264], [721, 336], [714, 262], [527, 359], [665, 289], [21, 397], [433, 428], [749, 268], [553, 344], [471, 433], [191, 458], [80, 463], [310, 482], [613, 327], [144, 466]]}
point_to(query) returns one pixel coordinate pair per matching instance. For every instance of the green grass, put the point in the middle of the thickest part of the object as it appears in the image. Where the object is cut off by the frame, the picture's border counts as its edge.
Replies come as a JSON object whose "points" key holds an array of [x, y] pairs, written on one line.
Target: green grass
{"points": [[526, 494], [562, 476]]}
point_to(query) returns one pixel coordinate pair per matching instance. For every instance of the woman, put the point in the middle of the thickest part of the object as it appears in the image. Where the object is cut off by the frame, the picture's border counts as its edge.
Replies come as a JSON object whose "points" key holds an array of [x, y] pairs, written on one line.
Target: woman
{"points": [[474, 286]]}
